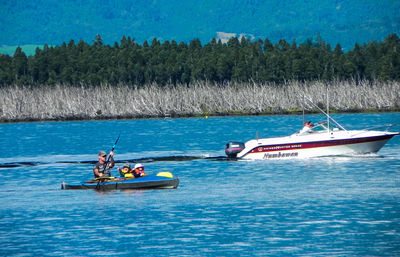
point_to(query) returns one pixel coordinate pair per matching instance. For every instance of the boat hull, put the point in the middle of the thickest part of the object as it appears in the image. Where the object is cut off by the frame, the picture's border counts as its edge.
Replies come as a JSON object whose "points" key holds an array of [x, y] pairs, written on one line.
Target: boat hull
{"points": [[339, 145], [146, 182], [326, 138]]}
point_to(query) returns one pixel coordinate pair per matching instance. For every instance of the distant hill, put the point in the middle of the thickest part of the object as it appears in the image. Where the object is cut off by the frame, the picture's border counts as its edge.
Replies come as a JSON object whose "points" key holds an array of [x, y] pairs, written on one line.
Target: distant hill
{"points": [[339, 21]]}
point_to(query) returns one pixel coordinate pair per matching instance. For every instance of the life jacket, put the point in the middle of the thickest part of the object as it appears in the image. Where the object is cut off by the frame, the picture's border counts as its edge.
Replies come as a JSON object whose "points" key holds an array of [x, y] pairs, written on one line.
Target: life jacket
{"points": [[137, 173]]}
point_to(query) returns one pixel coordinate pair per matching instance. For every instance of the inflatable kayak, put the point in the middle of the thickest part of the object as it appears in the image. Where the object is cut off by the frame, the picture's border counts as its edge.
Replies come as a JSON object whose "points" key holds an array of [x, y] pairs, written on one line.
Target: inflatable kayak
{"points": [[163, 180]]}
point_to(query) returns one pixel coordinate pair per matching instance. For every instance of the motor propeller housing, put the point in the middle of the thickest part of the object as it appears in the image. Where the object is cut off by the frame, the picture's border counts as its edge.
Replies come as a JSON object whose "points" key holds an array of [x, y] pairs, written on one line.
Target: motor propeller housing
{"points": [[232, 148]]}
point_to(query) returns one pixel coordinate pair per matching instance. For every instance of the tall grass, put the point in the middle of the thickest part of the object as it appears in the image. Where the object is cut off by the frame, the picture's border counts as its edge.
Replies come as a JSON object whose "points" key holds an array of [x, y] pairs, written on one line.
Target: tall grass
{"points": [[202, 98]]}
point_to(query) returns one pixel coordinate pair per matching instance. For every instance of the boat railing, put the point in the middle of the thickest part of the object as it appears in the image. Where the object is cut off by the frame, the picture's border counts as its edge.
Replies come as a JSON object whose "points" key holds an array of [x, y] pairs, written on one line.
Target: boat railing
{"points": [[384, 127], [375, 128]]}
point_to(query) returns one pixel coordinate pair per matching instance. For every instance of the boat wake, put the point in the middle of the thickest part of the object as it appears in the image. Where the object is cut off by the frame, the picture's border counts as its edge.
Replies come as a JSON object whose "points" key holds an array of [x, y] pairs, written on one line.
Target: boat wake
{"points": [[17, 164]]}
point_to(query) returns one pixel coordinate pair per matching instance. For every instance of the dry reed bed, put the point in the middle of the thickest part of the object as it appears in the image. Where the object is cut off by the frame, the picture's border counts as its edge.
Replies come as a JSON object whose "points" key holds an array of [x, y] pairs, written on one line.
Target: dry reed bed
{"points": [[65, 102]]}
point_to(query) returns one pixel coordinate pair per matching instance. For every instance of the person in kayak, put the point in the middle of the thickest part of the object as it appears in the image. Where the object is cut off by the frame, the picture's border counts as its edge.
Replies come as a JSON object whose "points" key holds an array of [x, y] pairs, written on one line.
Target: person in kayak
{"points": [[102, 169], [138, 170], [126, 171]]}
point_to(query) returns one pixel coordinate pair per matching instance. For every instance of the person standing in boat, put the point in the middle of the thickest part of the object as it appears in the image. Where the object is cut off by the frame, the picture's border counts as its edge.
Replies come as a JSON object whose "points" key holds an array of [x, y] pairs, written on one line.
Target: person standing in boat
{"points": [[138, 170], [307, 129], [102, 169]]}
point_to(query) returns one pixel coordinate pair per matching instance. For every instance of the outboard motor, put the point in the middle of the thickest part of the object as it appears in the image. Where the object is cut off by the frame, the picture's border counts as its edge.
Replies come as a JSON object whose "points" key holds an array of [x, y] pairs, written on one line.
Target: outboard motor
{"points": [[233, 148]]}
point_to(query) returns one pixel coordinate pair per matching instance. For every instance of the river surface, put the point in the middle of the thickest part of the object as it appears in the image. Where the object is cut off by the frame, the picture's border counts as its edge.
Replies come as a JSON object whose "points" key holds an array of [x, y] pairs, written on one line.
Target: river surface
{"points": [[343, 206]]}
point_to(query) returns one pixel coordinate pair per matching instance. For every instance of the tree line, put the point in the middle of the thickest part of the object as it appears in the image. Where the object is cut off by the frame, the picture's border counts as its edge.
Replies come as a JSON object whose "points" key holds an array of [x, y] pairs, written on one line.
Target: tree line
{"points": [[166, 63]]}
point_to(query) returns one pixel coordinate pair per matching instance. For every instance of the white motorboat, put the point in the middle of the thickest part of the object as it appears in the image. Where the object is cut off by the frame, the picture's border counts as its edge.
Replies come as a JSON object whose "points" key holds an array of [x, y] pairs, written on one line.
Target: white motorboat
{"points": [[327, 138]]}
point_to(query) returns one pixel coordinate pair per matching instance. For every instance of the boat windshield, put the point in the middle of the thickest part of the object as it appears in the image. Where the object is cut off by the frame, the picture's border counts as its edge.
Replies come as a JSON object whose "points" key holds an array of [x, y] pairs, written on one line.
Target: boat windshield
{"points": [[323, 127], [320, 127]]}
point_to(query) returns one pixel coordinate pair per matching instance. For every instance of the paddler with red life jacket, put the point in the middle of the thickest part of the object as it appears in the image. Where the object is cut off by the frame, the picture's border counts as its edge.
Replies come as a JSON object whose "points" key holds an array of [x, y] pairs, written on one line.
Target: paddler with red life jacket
{"points": [[102, 169]]}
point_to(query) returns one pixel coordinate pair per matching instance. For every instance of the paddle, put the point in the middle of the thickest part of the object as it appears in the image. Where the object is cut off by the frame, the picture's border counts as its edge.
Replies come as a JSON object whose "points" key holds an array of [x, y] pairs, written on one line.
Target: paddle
{"points": [[102, 179]]}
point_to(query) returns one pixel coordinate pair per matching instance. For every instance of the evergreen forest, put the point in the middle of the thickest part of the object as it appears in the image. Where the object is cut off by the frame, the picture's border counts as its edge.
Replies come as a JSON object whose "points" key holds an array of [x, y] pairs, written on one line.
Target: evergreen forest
{"points": [[171, 63]]}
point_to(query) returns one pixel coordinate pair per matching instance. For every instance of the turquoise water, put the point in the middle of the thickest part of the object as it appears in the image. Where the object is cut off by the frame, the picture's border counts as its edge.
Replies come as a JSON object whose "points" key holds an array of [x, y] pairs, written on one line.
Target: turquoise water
{"points": [[345, 206]]}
